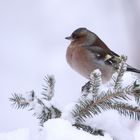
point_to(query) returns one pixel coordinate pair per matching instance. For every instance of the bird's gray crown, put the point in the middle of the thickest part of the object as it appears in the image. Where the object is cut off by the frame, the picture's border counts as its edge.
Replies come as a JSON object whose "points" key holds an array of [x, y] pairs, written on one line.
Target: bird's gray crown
{"points": [[79, 32], [83, 32]]}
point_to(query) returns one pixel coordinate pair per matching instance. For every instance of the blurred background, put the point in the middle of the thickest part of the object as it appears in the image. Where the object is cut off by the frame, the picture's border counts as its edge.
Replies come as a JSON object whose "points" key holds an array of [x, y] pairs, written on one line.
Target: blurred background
{"points": [[32, 45]]}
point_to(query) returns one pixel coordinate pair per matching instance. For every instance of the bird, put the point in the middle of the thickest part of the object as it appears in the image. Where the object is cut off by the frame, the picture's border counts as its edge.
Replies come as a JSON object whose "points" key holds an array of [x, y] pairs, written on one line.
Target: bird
{"points": [[88, 52]]}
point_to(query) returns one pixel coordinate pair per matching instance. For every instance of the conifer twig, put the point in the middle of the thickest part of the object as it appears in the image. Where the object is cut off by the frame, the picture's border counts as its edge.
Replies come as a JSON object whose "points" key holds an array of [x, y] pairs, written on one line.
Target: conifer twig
{"points": [[43, 109], [49, 87], [92, 87], [117, 77], [95, 82], [89, 129], [109, 99], [89, 108], [19, 101], [86, 107]]}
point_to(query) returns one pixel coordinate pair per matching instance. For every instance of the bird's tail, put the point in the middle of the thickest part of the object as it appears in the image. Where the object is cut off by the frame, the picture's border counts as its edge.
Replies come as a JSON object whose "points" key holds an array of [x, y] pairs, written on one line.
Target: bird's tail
{"points": [[129, 68]]}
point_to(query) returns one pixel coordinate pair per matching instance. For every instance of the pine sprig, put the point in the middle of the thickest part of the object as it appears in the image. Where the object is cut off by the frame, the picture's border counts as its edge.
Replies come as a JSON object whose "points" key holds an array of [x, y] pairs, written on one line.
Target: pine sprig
{"points": [[48, 88], [42, 107], [89, 108], [89, 129], [18, 101], [47, 112], [137, 91], [122, 66], [126, 110], [95, 82], [44, 115], [86, 107], [110, 99], [92, 87]]}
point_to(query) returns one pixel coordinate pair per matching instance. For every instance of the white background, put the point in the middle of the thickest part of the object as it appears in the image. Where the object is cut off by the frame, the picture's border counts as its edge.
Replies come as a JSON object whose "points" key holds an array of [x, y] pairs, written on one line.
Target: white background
{"points": [[32, 45]]}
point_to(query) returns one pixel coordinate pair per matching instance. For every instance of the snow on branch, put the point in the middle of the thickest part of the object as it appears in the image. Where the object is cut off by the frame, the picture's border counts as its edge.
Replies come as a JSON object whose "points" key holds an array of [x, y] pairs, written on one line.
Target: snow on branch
{"points": [[19, 101], [49, 87], [89, 129], [43, 108], [92, 87], [104, 100], [117, 77], [93, 101]]}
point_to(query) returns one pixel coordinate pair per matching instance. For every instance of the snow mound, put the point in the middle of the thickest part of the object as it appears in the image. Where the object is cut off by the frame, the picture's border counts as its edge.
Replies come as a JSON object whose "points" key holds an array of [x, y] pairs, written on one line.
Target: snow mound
{"points": [[60, 129], [19, 134]]}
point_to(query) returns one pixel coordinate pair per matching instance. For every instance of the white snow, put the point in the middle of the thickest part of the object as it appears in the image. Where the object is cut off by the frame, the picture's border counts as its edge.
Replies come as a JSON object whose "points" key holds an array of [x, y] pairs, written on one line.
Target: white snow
{"points": [[129, 78], [67, 115], [112, 123], [117, 126], [19, 134], [60, 129], [97, 72]]}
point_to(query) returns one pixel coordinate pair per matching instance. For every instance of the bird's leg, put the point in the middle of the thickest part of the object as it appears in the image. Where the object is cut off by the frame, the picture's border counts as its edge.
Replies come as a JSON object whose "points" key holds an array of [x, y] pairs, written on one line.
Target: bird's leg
{"points": [[85, 88]]}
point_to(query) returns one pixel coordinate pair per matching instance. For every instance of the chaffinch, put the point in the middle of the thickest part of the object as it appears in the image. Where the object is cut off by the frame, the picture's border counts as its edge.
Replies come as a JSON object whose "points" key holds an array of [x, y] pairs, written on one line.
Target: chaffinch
{"points": [[88, 52]]}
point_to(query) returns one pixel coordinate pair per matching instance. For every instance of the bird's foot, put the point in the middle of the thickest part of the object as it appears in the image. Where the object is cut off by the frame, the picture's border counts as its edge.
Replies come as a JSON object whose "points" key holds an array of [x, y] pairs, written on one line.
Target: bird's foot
{"points": [[85, 88]]}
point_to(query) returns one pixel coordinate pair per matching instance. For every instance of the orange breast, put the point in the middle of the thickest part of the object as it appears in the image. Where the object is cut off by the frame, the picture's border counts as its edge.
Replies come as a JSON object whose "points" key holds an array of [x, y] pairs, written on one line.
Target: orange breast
{"points": [[84, 62], [80, 60]]}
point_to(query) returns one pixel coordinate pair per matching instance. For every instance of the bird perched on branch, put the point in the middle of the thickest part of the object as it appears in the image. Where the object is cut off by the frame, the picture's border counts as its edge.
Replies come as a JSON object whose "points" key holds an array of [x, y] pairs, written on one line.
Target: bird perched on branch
{"points": [[88, 52]]}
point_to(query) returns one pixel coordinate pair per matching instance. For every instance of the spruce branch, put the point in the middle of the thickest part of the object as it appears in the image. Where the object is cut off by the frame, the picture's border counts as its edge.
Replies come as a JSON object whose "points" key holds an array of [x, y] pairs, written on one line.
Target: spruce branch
{"points": [[18, 101], [44, 115], [49, 87], [136, 89], [95, 82], [117, 77], [42, 107], [46, 112], [89, 129], [126, 110], [88, 108], [103, 100], [92, 87]]}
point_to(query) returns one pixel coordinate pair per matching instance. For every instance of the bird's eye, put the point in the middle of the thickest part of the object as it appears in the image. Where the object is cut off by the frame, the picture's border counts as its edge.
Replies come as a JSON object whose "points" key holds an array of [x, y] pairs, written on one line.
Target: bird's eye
{"points": [[75, 36]]}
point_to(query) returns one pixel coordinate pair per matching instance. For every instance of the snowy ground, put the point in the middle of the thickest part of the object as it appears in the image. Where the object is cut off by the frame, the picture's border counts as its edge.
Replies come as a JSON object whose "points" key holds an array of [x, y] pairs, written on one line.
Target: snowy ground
{"points": [[66, 132], [61, 129]]}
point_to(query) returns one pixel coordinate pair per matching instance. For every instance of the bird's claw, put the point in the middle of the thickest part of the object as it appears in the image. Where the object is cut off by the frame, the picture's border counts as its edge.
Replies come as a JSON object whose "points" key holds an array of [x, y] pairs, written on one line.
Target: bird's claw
{"points": [[85, 88]]}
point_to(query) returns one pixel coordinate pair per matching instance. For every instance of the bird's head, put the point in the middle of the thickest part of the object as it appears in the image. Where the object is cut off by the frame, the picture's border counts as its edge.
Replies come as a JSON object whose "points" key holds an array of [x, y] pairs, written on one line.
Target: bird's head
{"points": [[81, 33], [77, 34]]}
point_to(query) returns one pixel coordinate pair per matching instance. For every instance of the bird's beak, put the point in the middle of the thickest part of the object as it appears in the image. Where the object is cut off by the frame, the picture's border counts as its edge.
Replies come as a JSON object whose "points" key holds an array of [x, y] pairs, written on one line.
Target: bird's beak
{"points": [[69, 38]]}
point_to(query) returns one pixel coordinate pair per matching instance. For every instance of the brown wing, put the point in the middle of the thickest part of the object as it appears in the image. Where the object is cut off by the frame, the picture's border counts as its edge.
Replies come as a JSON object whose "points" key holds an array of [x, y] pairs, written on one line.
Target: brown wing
{"points": [[110, 57], [99, 43], [103, 52]]}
